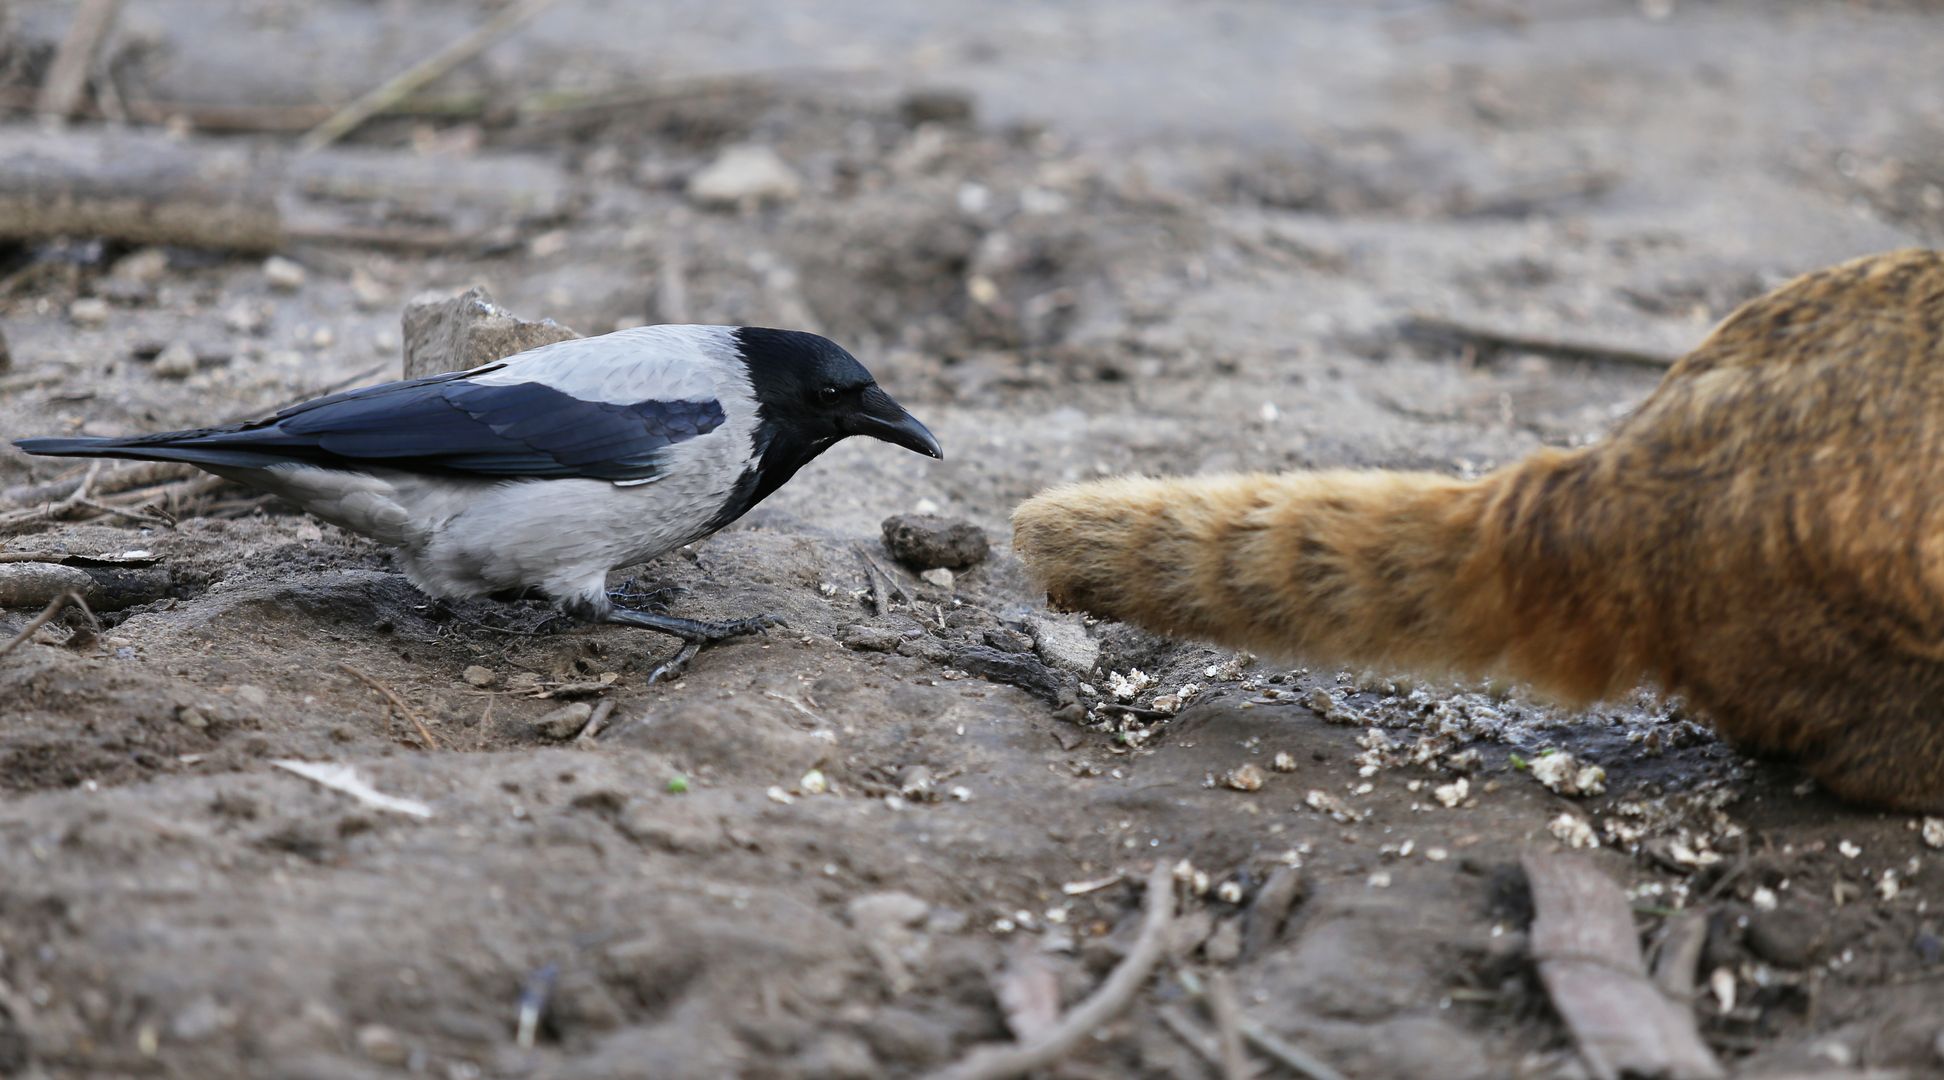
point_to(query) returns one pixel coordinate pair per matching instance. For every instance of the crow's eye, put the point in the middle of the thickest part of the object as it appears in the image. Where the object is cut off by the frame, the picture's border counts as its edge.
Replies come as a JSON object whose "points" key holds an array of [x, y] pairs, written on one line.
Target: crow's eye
{"points": [[828, 395]]}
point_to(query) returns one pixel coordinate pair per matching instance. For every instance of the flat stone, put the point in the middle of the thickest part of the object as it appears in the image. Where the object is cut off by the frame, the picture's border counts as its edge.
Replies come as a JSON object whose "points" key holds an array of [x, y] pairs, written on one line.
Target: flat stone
{"points": [[1063, 643], [461, 332], [744, 176]]}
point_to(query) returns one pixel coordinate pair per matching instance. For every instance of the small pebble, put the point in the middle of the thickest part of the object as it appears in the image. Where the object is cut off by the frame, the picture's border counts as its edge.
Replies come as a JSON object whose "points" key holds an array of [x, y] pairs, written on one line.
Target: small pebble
{"points": [[744, 176], [89, 311], [382, 1045], [145, 266], [938, 576], [564, 722], [1244, 778], [917, 784], [479, 676], [282, 274], [177, 361]]}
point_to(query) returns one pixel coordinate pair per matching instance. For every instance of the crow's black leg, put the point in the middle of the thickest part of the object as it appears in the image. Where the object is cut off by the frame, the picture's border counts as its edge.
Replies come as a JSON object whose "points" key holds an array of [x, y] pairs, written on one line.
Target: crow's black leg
{"points": [[633, 593], [693, 632]]}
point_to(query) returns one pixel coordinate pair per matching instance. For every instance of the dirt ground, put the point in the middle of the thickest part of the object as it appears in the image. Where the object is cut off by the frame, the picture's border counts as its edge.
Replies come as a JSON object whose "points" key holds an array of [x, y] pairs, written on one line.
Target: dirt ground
{"points": [[1075, 239]]}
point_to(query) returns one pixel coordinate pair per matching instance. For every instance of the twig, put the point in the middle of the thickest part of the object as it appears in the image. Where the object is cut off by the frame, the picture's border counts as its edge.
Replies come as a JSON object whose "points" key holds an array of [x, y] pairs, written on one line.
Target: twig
{"points": [[143, 515], [1680, 954], [404, 84], [597, 722], [1114, 995], [1228, 1027], [880, 598], [111, 482], [1589, 960], [1437, 329], [398, 704], [67, 76], [54, 608], [54, 511], [1293, 1058], [1191, 1034]]}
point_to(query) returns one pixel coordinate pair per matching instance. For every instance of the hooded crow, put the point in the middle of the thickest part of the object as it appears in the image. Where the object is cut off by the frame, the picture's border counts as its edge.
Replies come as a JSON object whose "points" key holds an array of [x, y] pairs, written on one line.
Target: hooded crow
{"points": [[548, 469]]}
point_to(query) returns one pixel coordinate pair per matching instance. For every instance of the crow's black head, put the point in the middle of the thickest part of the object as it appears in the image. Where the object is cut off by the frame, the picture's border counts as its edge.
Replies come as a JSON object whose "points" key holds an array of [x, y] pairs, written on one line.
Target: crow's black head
{"points": [[811, 393]]}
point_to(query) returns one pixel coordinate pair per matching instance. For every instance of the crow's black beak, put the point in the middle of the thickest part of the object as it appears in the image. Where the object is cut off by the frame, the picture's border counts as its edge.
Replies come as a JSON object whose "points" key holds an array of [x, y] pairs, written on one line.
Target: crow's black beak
{"points": [[881, 418]]}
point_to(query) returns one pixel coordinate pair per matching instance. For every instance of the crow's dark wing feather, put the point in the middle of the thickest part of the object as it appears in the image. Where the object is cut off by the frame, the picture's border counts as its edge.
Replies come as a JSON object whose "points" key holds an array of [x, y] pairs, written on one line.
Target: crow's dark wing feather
{"points": [[447, 424]]}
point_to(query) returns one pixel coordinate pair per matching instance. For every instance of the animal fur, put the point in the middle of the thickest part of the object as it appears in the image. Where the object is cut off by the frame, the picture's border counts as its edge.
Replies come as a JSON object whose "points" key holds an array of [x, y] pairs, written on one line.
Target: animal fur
{"points": [[1764, 535]]}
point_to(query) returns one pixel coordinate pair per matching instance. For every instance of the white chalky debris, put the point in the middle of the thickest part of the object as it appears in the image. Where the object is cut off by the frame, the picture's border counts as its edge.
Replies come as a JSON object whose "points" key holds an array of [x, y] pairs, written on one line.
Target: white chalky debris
{"points": [[1453, 793], [1573, 831], [1933, 832], [1849, 850], [1567, 775], [1129, 686]]}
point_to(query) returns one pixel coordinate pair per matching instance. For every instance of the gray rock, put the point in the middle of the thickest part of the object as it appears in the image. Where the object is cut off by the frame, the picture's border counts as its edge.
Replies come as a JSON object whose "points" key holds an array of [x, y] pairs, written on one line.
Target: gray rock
{"points": [[460, 332], [178, 361], [564, 722], [927, 542], [886, 909], [283, 274], [88, 311], [382, 1044], [744, 176], [1014, 669], [1064, 643]]}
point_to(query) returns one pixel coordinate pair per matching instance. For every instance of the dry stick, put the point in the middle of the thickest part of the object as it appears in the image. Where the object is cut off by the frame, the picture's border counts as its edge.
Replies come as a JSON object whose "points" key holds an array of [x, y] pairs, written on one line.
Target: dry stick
{"points": [[1191, 1034], [404, 84], [67, 77], [597, 722], [1588, 954], [1228, 1027], [1114, 995], [1294, 1058], [398, 704], [111, 482], [55, 510], [47, 616], [1680, 954], [1437, 328]]}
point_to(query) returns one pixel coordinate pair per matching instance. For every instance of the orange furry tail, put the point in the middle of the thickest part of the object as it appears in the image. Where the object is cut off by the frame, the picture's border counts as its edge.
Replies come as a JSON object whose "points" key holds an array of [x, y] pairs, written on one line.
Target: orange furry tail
{"points": [[1411, 570]]}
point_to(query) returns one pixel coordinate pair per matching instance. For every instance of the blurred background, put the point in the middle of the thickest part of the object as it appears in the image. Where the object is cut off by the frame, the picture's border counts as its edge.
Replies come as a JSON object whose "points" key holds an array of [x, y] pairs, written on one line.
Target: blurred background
{"points": [[1077, 238]]}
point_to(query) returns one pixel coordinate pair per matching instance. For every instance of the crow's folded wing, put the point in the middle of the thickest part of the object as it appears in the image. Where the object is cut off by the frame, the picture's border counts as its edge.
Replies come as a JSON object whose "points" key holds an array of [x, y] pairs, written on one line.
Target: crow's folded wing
{"points": [[449, 424]]}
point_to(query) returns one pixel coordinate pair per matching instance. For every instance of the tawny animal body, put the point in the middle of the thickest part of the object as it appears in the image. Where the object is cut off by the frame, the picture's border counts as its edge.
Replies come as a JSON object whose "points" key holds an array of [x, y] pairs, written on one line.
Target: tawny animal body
{"points": [[1764, 535]]}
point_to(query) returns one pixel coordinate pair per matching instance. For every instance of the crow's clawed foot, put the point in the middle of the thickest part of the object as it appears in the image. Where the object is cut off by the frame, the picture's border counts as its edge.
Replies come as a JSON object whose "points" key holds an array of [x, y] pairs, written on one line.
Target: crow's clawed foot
{"points": [[694, 633], [734, 628]]}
